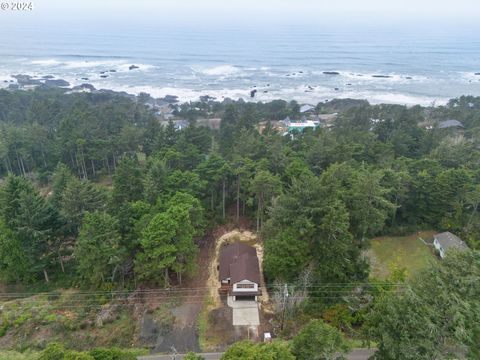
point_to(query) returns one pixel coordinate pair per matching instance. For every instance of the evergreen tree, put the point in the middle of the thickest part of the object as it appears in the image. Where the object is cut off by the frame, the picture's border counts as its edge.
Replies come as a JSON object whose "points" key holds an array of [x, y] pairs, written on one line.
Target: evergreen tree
{"points": [[319, 341], [78, 197], [264, 186], [167, 243], [32, 220], [438, 313], [227, 129], [155, 179], [97, 251], [14, 265], [127, 181]]}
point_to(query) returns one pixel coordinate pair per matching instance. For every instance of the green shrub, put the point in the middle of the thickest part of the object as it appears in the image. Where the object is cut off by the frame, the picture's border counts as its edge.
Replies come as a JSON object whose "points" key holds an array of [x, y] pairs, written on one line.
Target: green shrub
{"points": [[106, 354], [193, 356], [319, 341], [3, 328], [247, 350], [49, 318], [75, 355], [115, 353], [53, 351], [21, 319]]}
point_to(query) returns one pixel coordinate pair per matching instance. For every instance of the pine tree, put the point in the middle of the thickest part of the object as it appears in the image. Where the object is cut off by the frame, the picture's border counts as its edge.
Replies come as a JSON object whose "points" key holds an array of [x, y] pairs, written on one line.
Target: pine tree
{"points": [[97, 251]]}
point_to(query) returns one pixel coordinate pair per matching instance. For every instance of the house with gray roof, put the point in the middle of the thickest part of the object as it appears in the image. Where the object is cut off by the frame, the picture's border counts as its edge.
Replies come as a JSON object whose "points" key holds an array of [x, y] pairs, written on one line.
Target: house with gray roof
{"points": [[181, 124], [306, 108], [445, 241], [450, 124]]}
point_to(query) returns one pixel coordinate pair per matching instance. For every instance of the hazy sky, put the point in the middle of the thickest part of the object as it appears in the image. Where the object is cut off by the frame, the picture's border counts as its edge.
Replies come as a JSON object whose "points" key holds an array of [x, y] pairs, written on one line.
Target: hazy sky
{"points": [[245, 12]]}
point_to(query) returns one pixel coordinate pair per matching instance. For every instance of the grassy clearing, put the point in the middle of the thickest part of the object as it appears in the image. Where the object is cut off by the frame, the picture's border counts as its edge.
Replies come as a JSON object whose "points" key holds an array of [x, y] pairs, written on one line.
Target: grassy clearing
{"points": [[404, 252], [204, 341], [66, 318], [15, 355], [359, 343]]}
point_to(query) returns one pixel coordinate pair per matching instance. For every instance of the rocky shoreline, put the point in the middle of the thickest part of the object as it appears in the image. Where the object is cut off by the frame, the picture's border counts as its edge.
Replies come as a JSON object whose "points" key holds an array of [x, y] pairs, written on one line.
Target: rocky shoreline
{"points": [[83, 84], [29, 82]]}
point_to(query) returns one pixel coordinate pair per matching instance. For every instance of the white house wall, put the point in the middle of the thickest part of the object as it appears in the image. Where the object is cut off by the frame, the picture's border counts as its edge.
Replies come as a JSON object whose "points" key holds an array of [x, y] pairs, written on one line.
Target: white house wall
{"points": [[237, 289]]}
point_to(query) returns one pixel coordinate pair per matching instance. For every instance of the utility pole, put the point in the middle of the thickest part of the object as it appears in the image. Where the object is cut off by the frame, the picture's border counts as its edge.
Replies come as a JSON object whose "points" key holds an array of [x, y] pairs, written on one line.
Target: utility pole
{"points": [[174, 353], [285, 296]]}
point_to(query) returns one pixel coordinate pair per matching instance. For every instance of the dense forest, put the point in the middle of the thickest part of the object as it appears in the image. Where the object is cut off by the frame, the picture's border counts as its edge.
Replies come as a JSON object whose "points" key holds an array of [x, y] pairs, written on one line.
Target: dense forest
{"points": [[98, 194]]}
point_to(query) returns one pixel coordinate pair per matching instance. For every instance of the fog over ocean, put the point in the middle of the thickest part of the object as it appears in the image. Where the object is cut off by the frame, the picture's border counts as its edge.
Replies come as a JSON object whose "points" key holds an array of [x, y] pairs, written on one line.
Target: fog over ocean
{"points": [[288, 62]]}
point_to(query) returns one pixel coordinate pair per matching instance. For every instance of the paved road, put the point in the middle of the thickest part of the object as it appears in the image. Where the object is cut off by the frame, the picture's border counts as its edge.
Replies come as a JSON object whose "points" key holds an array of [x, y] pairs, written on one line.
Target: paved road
{"points": [[360, 354], [207, 356], [357, 354]]}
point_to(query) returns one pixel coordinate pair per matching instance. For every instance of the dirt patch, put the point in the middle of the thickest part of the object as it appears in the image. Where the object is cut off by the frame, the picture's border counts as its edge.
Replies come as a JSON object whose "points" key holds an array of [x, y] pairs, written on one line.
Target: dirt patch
{"points": [[228, 238], [220, 332], [162, 335]]}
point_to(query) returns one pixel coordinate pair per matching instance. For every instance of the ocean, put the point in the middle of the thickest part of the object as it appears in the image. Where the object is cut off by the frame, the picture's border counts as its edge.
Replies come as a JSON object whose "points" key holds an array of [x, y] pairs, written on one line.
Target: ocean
{"points": [[295, 62]]}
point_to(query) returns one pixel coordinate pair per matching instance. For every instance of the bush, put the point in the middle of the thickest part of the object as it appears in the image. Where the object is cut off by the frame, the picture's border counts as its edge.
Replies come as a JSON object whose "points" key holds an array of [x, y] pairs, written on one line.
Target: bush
{"points": [[247, 350], [53, 351], [75, 355], [3, 328], [319, 341], [339, 316], [193, 356], [115, 354]]}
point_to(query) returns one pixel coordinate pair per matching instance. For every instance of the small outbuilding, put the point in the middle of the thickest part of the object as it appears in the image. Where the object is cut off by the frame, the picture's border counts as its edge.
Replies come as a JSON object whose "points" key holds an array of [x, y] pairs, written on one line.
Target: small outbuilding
{"points": [[445, 241]]}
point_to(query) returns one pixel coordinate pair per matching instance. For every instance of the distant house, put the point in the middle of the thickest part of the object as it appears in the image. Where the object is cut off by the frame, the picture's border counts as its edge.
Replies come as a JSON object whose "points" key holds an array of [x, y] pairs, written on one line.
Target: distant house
{"points": [[307, 108], [178, 124], [239, 272], [299, 125], [213, 123], [181, 124], [445, 241], [451, 124]]}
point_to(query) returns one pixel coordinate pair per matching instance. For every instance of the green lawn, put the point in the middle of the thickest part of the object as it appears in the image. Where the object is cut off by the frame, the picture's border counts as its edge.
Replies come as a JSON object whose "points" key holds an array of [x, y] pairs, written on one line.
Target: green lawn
{"points": [[14, 355], [408, 252]]}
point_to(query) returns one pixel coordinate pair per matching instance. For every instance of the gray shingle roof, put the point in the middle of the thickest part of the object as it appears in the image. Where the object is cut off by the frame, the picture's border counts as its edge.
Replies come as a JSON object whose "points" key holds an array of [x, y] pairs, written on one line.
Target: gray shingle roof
{"points": [[448, 240], [306, 108], [449, 124]]}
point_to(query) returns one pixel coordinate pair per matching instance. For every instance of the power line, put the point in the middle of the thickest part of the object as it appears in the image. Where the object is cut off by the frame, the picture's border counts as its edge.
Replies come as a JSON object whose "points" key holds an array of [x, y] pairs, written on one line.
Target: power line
{"points": [[187, 292], [179, 290], [86, 299], [119, 302]]}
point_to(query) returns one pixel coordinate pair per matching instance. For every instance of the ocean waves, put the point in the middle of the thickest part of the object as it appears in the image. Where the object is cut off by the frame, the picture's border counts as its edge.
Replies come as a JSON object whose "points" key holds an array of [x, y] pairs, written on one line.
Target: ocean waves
{"points": [[100, 65], [306, 84]]}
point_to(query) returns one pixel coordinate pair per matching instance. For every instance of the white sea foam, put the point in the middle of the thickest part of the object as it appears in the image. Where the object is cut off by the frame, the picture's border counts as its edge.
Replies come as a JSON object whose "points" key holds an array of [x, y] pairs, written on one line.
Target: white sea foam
{"points": [[47, 62], [377, 77], [298, 93], [469, 77], [221, 70], [189, 83], [403, 99], [118, 65], [184, 94]]}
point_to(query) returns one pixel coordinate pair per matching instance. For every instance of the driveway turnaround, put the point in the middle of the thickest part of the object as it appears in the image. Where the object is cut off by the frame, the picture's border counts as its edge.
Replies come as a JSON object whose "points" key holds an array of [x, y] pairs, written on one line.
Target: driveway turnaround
{"points": [[245, 313]]}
